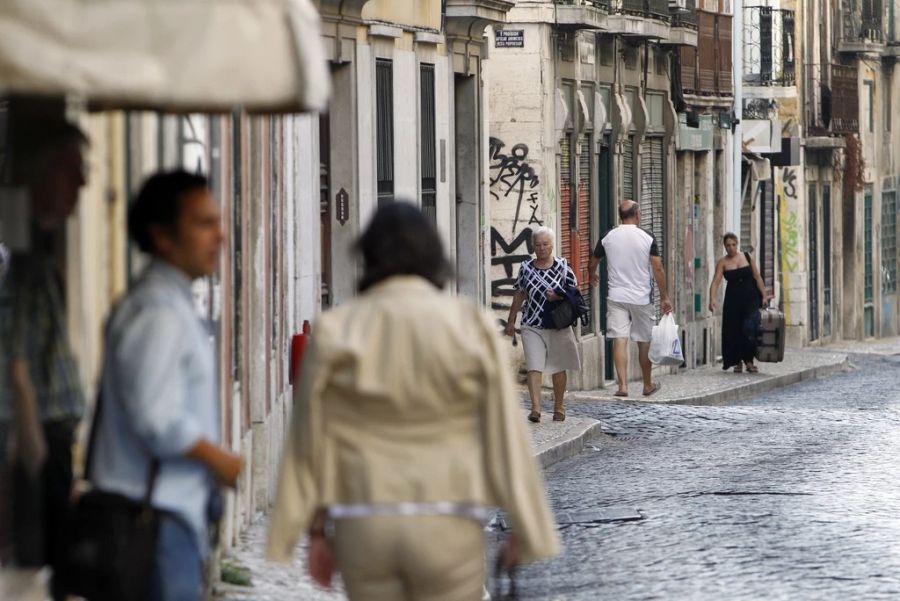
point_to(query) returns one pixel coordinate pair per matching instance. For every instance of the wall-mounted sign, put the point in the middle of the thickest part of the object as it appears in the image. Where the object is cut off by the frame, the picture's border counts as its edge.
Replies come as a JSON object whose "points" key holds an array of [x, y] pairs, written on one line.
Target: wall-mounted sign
{"points": [[509, 38]]}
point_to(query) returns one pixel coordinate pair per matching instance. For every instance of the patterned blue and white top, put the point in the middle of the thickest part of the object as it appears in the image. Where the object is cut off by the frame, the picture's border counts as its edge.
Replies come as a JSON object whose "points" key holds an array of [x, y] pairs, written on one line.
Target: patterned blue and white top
{"points": [[535, 282]]}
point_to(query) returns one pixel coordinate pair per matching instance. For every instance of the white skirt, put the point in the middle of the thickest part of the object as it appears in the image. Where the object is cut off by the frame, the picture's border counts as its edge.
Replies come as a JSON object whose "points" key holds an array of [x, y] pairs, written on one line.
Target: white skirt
{"points": [[550, 351]]}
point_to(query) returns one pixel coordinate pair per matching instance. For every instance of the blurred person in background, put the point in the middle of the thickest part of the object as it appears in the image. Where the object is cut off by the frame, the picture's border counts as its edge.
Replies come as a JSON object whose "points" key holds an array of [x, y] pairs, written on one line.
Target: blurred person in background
{"points": [[159, 383], [41, 394], [546, 349], [405, 429]]}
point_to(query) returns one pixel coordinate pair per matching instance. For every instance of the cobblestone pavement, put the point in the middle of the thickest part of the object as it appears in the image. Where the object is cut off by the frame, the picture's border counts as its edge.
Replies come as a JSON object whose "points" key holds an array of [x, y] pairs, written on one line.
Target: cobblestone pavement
{"points": [[552, 441], [784, 496]]}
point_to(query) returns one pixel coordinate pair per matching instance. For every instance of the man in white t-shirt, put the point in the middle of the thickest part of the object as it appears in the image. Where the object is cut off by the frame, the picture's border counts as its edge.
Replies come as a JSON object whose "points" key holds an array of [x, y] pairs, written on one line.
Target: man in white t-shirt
{"points": [[633, 263]]}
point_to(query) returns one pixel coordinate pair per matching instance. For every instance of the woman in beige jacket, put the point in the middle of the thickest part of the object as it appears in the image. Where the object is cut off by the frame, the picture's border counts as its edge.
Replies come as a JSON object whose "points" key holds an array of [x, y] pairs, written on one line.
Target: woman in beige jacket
{"points": [[406, 428]]}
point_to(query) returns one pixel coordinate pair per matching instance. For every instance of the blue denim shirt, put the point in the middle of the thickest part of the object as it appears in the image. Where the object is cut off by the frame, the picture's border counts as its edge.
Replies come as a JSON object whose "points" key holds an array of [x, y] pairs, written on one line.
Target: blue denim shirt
{"points": [[160, 398]]}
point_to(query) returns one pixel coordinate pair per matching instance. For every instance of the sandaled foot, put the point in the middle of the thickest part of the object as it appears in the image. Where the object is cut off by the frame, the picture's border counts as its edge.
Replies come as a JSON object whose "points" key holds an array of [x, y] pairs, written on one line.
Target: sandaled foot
{"points": [[653, 389], [559, 416], [620, 393], [752, 368], [534, 416], [738, 369]]}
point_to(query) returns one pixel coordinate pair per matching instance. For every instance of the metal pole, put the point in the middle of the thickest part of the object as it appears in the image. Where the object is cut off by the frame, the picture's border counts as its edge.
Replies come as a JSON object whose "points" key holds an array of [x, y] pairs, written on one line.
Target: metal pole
{"points": [[737, 45]]}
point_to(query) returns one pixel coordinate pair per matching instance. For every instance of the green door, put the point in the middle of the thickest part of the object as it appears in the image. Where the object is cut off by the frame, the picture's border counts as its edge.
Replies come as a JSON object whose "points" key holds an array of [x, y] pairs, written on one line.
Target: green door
{"points": [[607, 221]]}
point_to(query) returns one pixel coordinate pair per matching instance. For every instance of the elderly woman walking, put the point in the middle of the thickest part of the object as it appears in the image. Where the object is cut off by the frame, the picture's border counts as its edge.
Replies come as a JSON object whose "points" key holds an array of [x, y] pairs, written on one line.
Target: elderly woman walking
{"points": [[405, 429], [546, 350]]}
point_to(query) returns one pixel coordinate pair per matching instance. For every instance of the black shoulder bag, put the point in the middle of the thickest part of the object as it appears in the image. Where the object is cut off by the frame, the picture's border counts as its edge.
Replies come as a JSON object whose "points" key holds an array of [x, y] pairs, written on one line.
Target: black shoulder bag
{"points": [[111, 539], [565, 313]]}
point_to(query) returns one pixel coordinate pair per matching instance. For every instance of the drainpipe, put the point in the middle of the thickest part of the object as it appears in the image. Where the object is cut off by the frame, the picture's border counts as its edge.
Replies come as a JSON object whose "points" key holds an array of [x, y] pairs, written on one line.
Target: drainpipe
{"points": [[737, 45]]}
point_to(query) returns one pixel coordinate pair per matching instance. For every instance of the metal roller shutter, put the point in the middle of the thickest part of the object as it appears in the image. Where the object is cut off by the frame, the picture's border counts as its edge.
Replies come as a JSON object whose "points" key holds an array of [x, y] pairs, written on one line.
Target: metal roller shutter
{"points": [[628, 168], [584, 221], [565, 198], [652, 196]]}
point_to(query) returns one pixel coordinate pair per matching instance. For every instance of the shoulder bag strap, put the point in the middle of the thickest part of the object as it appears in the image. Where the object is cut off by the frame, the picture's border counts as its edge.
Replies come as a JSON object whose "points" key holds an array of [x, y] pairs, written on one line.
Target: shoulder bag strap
{"points": [[153, 471]]}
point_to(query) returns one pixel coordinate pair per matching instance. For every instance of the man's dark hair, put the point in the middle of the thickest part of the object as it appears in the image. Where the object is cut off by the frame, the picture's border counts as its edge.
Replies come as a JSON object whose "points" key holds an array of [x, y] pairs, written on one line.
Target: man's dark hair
{"points": [[159, 204], [400, 240], [729, 236], [30, 138], [628, 213]]}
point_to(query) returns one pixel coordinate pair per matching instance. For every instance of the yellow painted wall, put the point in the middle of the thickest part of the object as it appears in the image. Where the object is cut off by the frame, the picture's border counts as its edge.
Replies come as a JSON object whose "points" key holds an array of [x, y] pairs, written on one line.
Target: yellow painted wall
{"points": [[416, 13]]}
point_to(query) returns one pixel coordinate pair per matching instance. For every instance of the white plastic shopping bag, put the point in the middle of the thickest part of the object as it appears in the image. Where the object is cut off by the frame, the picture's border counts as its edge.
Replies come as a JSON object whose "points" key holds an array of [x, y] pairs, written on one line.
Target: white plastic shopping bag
{"points": [[665, 345]]}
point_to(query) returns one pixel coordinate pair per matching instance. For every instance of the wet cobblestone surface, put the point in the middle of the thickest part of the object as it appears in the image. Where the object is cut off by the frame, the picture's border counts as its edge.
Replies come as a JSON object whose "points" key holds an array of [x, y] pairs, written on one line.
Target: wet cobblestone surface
{"points": [[790, 495]]}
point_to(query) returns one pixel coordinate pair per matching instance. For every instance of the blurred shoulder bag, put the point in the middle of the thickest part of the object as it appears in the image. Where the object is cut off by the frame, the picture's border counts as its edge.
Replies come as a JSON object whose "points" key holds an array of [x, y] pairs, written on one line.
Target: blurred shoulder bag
{"points": [[111, 540]]}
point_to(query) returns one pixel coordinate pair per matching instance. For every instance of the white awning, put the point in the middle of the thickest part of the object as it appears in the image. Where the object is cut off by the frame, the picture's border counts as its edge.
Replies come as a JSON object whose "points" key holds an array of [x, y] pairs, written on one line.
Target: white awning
{"points": [[170, 55]]}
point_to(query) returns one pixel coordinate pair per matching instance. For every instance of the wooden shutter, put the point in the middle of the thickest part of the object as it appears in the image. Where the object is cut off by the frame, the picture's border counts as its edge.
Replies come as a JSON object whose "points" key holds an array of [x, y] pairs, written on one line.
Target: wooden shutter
{"points": [[688, 58], [706, 50], [723, 34]]}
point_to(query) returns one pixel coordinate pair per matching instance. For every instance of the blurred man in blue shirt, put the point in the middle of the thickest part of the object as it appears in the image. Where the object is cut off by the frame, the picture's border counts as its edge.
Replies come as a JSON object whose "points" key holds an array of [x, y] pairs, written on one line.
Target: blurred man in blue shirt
{"points": [[159, 387]]}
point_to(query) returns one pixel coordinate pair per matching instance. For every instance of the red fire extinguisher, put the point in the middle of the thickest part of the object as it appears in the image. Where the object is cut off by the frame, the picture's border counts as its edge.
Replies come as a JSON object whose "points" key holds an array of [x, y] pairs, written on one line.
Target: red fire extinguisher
{"points": [[298, 346]]}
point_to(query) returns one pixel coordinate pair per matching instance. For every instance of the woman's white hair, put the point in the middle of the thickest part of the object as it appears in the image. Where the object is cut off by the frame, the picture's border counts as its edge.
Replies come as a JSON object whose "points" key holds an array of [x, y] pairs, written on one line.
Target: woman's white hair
{"points": [[543, 231]]}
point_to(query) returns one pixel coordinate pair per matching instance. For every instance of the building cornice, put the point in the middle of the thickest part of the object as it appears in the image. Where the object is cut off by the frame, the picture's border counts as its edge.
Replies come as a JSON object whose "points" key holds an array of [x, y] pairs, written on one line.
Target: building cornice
{"points": [[469, 18]]}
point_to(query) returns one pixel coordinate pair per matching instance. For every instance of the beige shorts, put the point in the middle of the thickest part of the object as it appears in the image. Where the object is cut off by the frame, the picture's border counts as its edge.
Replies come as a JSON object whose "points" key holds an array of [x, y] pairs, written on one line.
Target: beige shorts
{"points": [[625, 318], [550, 351]]}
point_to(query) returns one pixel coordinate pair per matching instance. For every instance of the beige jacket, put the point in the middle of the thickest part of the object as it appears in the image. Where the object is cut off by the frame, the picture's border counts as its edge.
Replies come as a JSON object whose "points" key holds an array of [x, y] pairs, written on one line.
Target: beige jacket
{"points": [[406, 395]]}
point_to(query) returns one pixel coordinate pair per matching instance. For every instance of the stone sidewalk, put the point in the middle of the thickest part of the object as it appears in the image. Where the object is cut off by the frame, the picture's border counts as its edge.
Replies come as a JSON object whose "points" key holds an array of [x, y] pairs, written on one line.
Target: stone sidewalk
{"points": [[555, 441], [711, 385]]}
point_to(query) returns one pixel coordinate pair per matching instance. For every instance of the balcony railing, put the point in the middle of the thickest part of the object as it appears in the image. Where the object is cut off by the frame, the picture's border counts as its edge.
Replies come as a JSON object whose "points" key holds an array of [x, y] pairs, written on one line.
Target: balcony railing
{"points": [[601, 4], [844, 99], [654, 9], [769, 46], [686, 18], [862, 21]]}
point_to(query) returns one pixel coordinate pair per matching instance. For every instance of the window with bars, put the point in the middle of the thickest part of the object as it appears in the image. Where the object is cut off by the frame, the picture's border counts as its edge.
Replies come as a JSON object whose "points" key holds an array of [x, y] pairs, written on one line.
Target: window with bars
{"points": [[428, 160], [889, 242], [384, 109]]}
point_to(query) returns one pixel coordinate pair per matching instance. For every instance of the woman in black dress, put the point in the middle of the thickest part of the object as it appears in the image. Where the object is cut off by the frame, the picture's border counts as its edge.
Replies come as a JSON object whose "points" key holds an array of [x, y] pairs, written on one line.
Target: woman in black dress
{"points": [[744, 295]]}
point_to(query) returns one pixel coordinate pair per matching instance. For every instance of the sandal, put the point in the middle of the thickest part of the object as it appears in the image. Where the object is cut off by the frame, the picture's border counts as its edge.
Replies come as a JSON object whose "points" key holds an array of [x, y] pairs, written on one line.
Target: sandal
{"points": [[559, 416], [534, 416], [739, 369], [751, 368], [620, 393], [655, 389]]}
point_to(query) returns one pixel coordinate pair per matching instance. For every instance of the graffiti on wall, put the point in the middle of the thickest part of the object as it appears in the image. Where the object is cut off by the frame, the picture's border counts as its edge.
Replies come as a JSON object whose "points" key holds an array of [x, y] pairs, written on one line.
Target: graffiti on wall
{"points": [[511, 175], [514, 190], [786, 190]]}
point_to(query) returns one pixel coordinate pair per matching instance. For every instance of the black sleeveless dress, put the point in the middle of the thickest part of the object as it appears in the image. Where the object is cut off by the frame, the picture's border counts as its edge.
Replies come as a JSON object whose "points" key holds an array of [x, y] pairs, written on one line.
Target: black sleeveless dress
{"points": [[740, 316]]}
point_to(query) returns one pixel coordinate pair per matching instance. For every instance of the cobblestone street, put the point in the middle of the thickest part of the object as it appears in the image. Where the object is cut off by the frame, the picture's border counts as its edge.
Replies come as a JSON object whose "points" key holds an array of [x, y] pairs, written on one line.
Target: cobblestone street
{"points": [[783, 496], [554, 443]]}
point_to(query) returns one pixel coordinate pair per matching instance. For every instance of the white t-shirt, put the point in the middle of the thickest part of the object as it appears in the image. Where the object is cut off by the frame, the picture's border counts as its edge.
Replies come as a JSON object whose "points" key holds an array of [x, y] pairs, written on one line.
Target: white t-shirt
{"points": [[627, 250]]}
